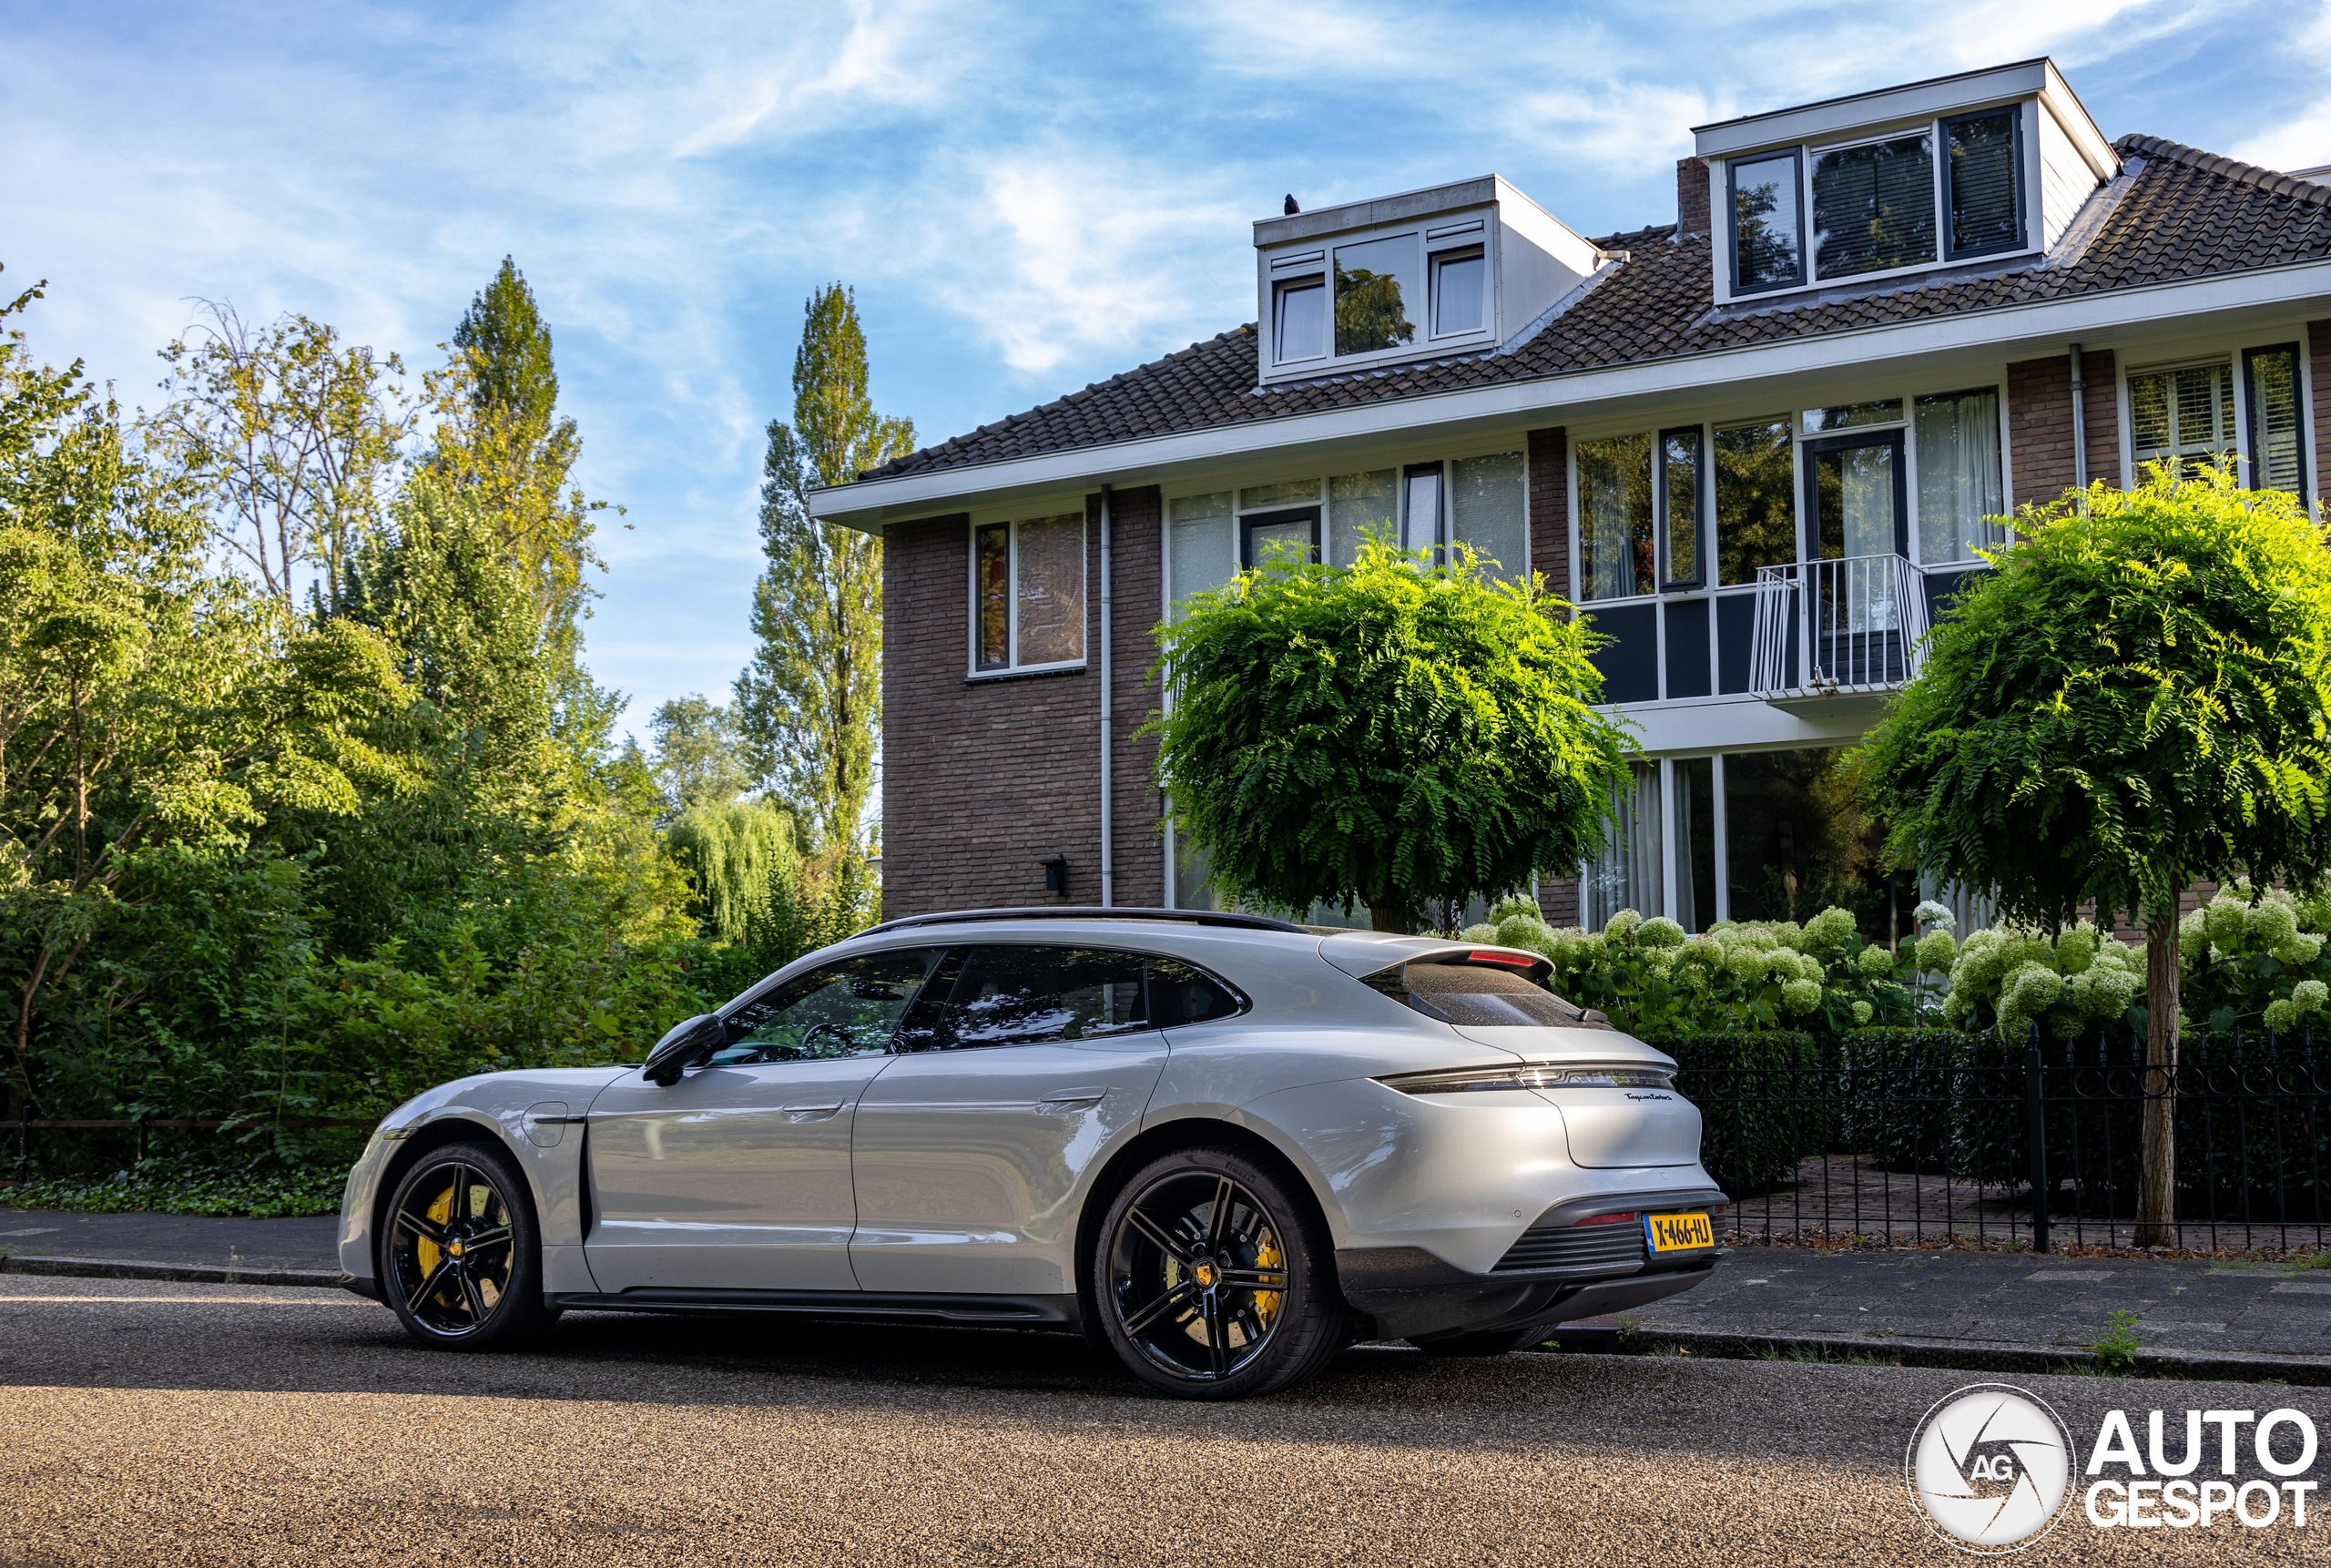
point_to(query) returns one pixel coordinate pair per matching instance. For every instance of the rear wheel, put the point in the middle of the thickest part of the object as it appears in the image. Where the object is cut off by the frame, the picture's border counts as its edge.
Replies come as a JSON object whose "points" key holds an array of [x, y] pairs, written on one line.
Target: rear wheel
{"points": [[1212, 1279], [461, 1259]]}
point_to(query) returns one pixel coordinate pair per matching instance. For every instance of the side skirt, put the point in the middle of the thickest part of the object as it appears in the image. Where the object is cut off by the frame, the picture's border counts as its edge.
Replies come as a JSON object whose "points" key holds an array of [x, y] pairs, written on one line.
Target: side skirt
{"points": [[995, 1311]]}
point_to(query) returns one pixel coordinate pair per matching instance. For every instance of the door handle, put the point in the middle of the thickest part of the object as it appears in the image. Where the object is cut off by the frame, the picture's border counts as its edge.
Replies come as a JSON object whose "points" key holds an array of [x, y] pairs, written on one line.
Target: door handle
{"points": [[1071, 1100], [810, 1113]]}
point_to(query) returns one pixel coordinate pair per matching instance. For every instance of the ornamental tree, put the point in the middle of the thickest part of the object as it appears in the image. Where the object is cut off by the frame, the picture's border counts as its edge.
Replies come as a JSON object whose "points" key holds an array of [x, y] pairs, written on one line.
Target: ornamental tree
{"points": [[2135, 699], [1390, 734]]}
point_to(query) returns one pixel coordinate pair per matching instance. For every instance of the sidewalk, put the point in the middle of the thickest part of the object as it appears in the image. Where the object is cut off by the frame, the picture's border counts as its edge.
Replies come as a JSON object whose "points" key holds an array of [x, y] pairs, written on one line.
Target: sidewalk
{"points": [[170, 1247], [2009, 1311]]}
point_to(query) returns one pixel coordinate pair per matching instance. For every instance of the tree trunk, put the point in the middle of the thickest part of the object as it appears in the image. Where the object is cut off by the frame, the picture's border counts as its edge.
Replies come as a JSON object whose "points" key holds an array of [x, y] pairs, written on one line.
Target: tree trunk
{"points": [[2157, 1196], [1386, 917]]}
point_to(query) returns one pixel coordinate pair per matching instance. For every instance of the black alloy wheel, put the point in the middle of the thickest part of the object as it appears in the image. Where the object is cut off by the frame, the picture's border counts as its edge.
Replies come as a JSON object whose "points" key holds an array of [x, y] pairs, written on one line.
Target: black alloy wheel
{"points": [[1209, 1279], [461, 1254]]}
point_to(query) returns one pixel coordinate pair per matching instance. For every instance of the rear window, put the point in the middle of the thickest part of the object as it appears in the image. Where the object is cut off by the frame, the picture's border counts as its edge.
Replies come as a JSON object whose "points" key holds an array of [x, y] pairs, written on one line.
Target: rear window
{"points": [[1484, 995]]}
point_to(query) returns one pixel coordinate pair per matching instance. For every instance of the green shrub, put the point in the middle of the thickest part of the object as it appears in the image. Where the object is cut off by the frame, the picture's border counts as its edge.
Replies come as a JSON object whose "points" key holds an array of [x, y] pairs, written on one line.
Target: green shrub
{"points": [[1765, 1103]]}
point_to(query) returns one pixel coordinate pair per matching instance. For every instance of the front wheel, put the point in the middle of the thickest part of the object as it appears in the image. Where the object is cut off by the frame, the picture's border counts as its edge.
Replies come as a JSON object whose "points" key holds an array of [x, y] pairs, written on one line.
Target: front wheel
{"points": [[461, 1257], [1213, 1279]]}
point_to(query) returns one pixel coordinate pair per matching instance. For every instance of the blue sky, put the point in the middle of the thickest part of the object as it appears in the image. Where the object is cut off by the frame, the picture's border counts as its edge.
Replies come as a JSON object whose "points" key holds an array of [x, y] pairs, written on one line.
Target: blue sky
{"points": [[1026, 198]]}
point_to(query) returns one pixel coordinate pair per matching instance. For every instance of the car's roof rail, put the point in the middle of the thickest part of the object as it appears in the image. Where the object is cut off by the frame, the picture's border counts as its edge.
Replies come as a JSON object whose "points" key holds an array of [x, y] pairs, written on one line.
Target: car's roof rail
{"points": [[1092, 912]]}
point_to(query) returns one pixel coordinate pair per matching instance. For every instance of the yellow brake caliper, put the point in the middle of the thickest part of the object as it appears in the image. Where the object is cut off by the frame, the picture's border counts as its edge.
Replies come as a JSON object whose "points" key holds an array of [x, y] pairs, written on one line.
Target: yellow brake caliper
{"points": [[439, 1214], [1266, 1257]]}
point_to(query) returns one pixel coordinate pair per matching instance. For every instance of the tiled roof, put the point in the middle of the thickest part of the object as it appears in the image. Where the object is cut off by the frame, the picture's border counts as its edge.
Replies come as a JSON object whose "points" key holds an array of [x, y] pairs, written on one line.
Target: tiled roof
{"points": [[2174, 213]]}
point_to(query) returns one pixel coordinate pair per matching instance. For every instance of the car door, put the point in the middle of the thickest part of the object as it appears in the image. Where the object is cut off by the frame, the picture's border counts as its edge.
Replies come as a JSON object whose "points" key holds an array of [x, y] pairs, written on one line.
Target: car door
{"points": [[973, 1149], [738, 1176]]}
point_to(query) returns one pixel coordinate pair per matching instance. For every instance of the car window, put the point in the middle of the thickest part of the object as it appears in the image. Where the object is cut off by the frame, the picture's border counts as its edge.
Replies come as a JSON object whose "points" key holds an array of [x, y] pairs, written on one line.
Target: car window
{"points": [[847, 1009], [1024, 995], [1181, 993]]}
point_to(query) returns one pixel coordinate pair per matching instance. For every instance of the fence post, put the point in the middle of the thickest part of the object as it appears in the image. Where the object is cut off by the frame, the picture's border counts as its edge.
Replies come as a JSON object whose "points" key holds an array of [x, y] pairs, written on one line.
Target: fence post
{"points": [[2036, 1137]]}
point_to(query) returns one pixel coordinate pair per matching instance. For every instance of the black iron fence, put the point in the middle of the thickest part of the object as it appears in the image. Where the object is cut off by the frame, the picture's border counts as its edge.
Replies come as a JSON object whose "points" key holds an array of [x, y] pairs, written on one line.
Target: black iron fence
{"points": [[1910, 1136]]}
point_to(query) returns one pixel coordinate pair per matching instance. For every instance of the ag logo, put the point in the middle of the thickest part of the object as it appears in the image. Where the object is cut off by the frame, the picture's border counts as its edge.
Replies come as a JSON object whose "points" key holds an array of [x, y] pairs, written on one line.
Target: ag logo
{"points": [[1989, 1467]]}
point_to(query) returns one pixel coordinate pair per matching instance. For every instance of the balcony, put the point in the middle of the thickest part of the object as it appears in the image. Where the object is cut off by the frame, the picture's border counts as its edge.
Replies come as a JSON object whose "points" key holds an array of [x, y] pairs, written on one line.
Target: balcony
{"points": [[1836, 635]]}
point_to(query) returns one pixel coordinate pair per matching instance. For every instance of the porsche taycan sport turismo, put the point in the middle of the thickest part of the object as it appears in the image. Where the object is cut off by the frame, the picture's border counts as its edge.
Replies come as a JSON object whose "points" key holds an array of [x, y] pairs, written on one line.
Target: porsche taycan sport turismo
{"points": [[1222, 1146]]}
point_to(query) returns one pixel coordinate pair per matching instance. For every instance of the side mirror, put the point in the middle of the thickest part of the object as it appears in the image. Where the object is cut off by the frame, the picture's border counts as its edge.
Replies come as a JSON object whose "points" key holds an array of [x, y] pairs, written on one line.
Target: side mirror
{"points": [[686, 1042]]}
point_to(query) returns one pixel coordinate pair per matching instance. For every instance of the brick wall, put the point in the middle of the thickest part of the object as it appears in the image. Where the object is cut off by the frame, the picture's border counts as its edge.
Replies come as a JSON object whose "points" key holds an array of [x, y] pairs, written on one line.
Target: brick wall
{"points": [[984, 781], [1136, 548], [1550, 554], [2039, 424], [1691, 198]]}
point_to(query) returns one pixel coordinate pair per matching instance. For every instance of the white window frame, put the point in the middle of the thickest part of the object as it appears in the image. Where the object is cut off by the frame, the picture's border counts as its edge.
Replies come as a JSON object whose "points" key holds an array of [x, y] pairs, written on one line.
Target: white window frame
{"points": [[2027, 163], [1311, 258], [971, 670]]}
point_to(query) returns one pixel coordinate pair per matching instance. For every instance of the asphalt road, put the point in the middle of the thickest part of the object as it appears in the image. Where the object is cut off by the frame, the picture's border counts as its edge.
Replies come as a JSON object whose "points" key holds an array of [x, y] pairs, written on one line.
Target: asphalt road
{"points": [[193, 1424]]}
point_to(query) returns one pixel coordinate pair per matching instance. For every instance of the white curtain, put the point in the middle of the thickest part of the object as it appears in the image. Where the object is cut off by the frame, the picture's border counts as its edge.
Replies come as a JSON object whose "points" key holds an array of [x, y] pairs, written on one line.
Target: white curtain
{"points": [[1959, 475], [1627, 875], [1204, 554], [1491, 510], [1358, 505]]}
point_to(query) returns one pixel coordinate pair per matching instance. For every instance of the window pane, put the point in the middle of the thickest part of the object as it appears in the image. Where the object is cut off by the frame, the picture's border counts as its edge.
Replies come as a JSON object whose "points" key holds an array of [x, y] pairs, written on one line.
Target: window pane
{"points": [[1855, 488], [1423, 507], [1679, 466], [1984, 216], [1695, 840], [1021, 995], [1873, 207], [2182, 415], [1614, 526], [1756, 499], [1459, 284], [1359, 503], [2274, 420], [1205, 550], [1292, 492], [992, 577], [849, 1009], [1959, 474], [1488, 511], [1845, 416], [1052, 589], [1290, 540], [1626, 876], [1797, 844], [1301, 330], [1764, 222], [1375, 282]]}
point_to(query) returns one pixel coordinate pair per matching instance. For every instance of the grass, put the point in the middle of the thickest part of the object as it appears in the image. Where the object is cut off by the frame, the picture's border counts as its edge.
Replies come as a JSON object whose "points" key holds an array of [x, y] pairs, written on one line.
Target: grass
{"points": [[2300, 1262], [2116, 1348], [182, 1186], [1821, 1356]]}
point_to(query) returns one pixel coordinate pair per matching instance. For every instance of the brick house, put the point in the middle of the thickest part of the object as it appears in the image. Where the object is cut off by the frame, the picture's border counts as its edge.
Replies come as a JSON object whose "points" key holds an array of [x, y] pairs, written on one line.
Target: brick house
{"points": [[1759, 454]]}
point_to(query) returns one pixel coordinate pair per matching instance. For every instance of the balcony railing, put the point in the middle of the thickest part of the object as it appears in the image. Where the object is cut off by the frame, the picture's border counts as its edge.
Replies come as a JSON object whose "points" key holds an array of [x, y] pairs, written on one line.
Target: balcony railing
{"points": [[1834, 628]]}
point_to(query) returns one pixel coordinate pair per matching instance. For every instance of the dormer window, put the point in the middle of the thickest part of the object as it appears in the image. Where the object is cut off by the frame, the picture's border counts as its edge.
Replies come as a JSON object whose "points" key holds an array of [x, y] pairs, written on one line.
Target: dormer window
{"points": [[1887, 204], [1454, 269]]}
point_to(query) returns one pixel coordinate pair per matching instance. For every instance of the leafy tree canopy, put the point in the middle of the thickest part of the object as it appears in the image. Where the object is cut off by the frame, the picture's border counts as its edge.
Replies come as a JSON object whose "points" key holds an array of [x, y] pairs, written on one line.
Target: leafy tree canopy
{"points": [[2136, 698], [1390, 733]]}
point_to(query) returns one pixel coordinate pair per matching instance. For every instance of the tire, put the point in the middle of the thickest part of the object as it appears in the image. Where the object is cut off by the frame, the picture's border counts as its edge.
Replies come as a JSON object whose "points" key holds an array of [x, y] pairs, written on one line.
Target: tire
{"points": [[461, 1254], [1495, 1342], [1177, 1277]]}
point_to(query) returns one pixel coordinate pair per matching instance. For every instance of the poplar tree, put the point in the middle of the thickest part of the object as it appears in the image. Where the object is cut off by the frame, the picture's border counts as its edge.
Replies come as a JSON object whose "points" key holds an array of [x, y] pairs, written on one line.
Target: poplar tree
{"points": [[809, 704]]}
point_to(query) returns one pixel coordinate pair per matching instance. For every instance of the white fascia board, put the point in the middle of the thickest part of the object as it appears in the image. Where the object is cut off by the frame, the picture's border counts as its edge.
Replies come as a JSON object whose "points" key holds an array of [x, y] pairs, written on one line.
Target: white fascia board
{"points": [[2037, 327], [2094, 147], [1917, 100]]}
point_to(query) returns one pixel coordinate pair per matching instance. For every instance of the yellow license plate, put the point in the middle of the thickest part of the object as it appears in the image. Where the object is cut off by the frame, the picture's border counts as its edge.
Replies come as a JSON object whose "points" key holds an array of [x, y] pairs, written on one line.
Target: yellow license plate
{"points": [[1678, 1232]]}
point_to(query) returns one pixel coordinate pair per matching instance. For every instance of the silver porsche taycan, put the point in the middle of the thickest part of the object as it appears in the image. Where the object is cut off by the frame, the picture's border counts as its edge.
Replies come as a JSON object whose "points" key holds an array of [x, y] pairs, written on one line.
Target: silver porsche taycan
{"points": [[1222, 1146]]}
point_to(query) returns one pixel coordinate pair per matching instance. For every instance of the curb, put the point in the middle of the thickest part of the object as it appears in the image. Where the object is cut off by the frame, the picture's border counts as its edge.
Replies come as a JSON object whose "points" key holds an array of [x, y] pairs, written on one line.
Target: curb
{"points": [[2313, 1371], [185, 1273]]}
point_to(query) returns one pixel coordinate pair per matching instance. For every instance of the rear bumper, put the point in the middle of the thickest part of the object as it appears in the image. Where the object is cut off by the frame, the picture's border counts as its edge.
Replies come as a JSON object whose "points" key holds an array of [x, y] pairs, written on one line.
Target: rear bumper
{"points": [[1409, 1292]]}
